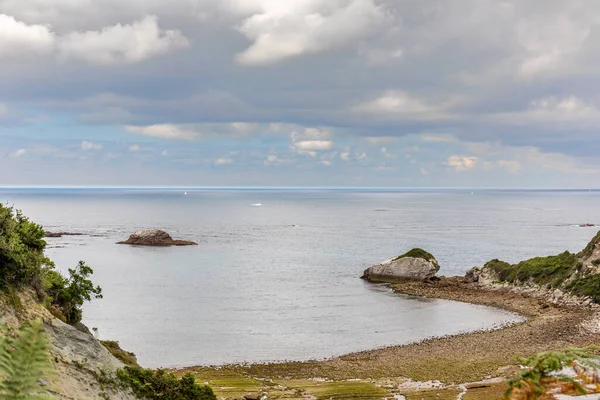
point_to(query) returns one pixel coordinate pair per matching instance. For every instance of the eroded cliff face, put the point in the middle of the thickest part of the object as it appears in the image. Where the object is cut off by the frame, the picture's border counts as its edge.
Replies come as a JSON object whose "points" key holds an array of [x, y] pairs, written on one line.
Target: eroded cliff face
{"points": [[86, 369]]}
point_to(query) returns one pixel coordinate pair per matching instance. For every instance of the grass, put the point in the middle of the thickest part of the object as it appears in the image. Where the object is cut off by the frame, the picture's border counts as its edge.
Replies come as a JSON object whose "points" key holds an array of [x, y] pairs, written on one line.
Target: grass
{"points": [[551, 270], [417, 253], [339, 390], [586, 286], [126, 357]]}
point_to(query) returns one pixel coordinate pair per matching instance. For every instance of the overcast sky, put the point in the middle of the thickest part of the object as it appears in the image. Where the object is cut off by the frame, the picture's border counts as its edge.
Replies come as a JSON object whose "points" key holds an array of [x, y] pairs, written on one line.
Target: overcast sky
{"points": [[400, 93]]}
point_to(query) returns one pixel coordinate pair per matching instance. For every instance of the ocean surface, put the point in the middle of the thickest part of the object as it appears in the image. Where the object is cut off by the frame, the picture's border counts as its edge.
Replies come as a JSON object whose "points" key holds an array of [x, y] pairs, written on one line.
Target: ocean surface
{"points": [[276, 273]]}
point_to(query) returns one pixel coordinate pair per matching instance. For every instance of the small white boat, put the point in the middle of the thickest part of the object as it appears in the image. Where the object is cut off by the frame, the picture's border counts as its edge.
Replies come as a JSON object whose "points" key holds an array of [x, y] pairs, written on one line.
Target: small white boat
{"points": [[256, 205]]}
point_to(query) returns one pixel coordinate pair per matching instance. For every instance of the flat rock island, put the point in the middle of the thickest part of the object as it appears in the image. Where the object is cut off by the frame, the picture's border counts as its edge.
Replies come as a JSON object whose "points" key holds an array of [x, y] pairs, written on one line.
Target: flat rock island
{"points": [[155, 237]]}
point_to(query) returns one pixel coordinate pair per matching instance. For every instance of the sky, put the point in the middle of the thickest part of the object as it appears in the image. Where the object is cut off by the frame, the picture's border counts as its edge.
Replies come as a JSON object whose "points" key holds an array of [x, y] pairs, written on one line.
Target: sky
{"points": [[350, 93]]}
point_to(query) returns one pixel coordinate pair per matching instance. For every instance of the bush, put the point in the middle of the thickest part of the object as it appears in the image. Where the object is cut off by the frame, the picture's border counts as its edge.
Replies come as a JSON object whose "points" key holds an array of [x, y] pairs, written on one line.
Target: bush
{"points": [[23, 362], [544, 374], [126, 357], [23, 263], [69, 294], [22, 259], [586, 286], [551, 270], [417, 253], [160, 385]]}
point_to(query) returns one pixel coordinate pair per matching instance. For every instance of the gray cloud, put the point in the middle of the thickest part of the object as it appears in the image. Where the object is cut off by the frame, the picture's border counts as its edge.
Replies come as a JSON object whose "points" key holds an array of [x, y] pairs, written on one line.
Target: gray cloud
{"points": [[514, 73]]}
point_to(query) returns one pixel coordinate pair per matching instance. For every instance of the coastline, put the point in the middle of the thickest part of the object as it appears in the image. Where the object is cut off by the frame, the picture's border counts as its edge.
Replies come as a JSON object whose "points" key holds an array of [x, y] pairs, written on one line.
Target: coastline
{"points": [[447, 361]]}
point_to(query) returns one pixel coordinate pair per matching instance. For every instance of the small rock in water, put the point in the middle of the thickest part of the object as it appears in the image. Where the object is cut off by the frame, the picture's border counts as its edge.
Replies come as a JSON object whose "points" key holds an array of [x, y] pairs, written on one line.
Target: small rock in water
{"points": [[155, 237]]}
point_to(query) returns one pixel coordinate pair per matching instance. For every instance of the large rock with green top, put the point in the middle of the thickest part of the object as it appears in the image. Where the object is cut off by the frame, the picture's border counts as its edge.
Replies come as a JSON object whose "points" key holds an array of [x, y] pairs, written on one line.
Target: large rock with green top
{"points": [[416, 265]]}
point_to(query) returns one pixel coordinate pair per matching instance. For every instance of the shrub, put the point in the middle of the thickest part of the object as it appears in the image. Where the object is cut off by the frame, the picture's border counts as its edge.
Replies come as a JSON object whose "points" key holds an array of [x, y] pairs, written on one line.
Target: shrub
{"points": [[417, 253], [545, 374], [586, 286], [69, 294], [160, 385], [22, 259], [126, 357], [551, 270], [23, 362]]}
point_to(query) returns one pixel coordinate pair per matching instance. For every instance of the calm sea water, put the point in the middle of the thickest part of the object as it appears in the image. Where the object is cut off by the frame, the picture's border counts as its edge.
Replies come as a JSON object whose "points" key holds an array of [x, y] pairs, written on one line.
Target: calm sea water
{"points": [[280, 281]]}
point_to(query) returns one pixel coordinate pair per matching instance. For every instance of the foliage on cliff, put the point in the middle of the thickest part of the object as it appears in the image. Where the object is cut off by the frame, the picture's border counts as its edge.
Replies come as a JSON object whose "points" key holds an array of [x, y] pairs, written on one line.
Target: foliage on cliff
{"points": [[22, 259], [553, 270], [160, 385], [24, 360], [23, 264]]}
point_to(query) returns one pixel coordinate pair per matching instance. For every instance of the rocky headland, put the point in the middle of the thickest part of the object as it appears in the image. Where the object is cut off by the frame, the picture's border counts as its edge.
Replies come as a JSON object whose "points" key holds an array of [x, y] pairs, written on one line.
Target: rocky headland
{"points": [[155, 237]]}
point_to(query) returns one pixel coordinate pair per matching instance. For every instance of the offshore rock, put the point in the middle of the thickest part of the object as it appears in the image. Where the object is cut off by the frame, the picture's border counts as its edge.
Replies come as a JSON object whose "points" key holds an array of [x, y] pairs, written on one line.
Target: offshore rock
{"points": [[416, 265], [155, 237]]}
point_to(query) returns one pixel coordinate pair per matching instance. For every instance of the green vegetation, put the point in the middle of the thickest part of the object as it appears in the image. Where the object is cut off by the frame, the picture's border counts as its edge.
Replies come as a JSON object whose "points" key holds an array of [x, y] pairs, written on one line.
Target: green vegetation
{"points": [[69, 294], [543, 373], [23, 264], [126, 357], [24, 360], [160, 385], [589, 249], [552, 270], [22, 259], [586, 286], [417, 253]]}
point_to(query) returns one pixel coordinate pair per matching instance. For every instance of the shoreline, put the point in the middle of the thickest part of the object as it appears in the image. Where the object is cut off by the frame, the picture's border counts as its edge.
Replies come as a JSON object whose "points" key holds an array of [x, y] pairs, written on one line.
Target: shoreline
{"points": [[448, 360]]}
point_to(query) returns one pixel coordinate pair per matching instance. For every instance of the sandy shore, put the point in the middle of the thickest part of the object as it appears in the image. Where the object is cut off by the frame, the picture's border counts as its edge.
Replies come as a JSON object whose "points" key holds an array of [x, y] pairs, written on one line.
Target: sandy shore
{"points": [[454, 359]]}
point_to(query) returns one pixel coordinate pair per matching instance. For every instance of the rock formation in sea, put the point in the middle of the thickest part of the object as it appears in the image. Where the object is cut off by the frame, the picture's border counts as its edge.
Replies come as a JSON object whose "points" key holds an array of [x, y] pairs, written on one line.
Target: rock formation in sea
{"points": [[60, 234], [417, 264], [155, 237]]}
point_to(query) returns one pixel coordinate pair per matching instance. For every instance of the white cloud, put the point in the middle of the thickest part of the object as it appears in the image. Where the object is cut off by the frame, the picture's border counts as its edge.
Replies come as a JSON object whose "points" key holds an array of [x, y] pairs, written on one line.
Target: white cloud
{"points": [[90, 146], [314, 145], [223, 161], [550, 44], [122, 44], [461, 163], [18, 39], [19, 153], [511, 166], [345, 155], [402, 104], [273, 159], [570, 111], [326, 163], [568, 106], [134, 148], [386, 153], [164, 131], [285, 29], [438, 138], [361, 156], [378, 140]]}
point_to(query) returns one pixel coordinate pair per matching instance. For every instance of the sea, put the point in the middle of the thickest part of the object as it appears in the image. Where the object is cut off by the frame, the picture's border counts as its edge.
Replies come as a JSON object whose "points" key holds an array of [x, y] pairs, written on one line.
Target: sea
{"points": [[276, 273]]}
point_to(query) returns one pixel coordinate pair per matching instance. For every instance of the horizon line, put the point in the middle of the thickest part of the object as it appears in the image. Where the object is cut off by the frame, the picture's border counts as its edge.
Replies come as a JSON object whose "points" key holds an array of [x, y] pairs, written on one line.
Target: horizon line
{"points": [[289, 187]]}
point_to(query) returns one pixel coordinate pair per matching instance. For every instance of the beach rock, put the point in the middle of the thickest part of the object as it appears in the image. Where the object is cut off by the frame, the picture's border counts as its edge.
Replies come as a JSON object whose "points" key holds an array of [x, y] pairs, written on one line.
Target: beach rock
{"points": [[155, 237], [586, 225], [252, 396], [415, 265], [472, 275]]}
